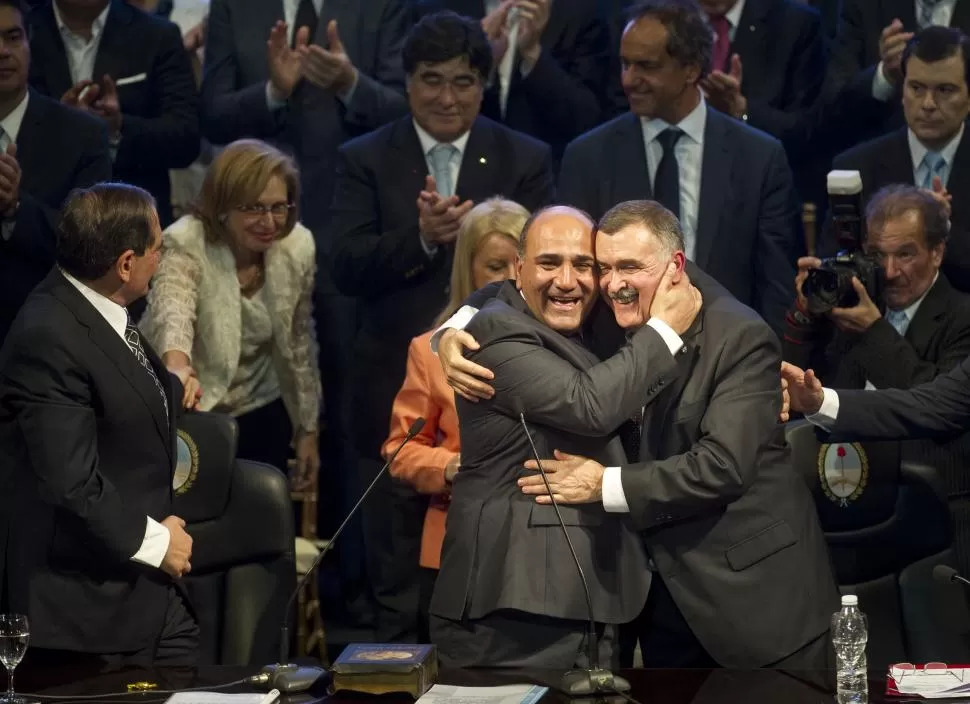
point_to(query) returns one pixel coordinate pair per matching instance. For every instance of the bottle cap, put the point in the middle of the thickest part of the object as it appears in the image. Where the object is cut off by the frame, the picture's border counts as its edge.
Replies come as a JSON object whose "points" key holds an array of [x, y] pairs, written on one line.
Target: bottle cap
{"points": [[850, 600]]}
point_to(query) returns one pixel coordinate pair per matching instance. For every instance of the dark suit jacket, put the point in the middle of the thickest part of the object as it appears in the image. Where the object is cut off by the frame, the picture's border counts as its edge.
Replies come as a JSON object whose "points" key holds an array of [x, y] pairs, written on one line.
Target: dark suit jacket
{"points": [[501, 549], [315, 121], [730, 524], [887, 160], [59, 149], [563, 95], [160, 126], [377, 253], [747, 226], [88, 454]]}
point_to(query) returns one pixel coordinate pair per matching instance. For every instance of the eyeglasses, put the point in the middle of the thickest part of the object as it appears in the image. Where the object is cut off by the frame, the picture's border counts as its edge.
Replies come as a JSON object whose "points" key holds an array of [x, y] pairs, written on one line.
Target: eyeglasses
{"points": [[279, 211]]}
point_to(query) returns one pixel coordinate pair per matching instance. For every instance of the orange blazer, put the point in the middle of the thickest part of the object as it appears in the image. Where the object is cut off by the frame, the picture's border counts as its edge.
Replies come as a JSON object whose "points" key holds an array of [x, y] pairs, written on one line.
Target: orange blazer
{"points": [[425, 393]]}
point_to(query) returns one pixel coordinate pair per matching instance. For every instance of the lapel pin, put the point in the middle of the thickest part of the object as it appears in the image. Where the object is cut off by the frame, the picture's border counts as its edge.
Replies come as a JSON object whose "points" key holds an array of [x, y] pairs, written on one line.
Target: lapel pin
{"points": [[482, 161], [751, 28]]}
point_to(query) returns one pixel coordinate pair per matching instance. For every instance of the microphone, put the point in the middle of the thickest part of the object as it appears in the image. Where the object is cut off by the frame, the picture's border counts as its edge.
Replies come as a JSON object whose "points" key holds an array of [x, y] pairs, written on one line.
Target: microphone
{"points": [[945, 573], [594, 679], [289, 677]]}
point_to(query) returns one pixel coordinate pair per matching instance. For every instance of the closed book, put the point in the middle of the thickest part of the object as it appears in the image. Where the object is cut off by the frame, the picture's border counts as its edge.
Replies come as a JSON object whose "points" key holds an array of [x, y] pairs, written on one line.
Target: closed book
{"points": [[377, 668]]}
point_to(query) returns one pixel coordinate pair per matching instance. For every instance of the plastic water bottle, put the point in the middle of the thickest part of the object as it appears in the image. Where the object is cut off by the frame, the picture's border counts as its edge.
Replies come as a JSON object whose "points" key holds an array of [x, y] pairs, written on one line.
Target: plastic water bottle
{"points": [[849, 635]]}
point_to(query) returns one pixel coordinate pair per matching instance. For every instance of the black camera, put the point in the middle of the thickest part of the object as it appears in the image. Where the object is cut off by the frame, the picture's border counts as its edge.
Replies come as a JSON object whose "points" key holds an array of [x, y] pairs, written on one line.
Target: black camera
{"points": [[830, 286]]}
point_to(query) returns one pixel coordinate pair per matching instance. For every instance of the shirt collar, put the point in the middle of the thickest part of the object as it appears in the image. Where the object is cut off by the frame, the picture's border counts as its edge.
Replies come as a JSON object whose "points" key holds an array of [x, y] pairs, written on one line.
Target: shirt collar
{"points": [[115, 315], [11, 123], [96, 26], [917, 150], [428, 142], [734, 14], [693, 125], [910, 310]]}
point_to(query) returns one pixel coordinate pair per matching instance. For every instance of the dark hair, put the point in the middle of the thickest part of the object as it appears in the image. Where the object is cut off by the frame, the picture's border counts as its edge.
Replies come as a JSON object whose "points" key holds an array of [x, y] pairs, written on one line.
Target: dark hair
{"points": [[99, 224], [891, 202], [444, 36], [936, 44], [646, 213], [523, 238], [17, 5], [689, 38]]}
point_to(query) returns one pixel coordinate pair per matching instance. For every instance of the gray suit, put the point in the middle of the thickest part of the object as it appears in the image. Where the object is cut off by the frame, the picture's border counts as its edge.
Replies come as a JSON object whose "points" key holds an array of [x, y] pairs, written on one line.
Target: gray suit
{"points": [[502, 551], [730, 525]]}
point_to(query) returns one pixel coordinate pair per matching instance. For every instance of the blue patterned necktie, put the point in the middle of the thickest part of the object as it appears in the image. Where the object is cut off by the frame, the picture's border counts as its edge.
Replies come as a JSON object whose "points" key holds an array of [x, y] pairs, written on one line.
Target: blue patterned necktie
{"points": [[926, 10], [133, 338], [934, 164], [898, 320], [441, 156]]}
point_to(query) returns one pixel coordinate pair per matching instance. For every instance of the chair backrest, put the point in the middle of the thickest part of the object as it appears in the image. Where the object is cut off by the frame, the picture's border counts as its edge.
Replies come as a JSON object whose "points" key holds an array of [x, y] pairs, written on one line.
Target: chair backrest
{"points": [[887, 526], [243, 563]]}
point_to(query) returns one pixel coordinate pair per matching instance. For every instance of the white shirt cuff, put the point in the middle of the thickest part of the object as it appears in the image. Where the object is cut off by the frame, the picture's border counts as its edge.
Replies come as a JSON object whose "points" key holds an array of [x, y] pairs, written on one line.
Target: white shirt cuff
{"points": [[614, 500], [828, 412], [155, 544], [429, 249], [882, 90], [458, 321], [674, 343], [272, 103]]}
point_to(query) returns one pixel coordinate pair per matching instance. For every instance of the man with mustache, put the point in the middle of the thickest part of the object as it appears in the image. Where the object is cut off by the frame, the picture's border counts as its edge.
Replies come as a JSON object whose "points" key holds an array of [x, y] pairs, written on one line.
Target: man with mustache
{"points": [[508, 593], [738, 572]]}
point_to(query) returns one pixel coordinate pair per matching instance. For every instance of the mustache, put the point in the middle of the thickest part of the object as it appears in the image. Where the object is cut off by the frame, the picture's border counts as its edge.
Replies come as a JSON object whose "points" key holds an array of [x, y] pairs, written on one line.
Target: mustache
{"points": [[625, 295]]}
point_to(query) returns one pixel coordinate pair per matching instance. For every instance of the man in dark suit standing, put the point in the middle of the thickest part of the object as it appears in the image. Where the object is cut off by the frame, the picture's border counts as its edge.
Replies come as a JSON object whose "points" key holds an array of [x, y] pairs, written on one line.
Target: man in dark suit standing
{"points": [[46, 150], [486, 606], [551, 84], [740, 573], [929, 152], [729, 184], [132, 71], [399, 200], [91, 551]]}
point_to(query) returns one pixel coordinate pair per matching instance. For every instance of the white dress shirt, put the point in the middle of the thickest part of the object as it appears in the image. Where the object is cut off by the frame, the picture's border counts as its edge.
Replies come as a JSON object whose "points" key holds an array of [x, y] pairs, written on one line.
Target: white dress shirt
{"points": [[690, 162], [733, 16], [942, 14], [917, 151], [155, 543], [427, 144], [11, 129], [81, 52]]}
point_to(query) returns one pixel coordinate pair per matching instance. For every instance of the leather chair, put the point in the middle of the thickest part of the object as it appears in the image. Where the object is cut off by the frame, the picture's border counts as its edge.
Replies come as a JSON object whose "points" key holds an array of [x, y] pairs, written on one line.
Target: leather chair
{"points": [[887, 526], [241, 521]]}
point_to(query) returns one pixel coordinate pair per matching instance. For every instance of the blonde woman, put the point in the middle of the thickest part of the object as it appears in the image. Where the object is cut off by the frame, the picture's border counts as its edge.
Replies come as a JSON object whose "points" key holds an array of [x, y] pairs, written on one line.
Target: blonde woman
{"points": [[232, 299], [485, 251]]}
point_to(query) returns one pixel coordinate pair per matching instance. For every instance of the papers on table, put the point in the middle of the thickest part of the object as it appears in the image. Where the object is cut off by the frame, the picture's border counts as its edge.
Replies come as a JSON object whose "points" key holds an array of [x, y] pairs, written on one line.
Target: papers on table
{"points": [[509, 694], [220, 698], [931, 681]]}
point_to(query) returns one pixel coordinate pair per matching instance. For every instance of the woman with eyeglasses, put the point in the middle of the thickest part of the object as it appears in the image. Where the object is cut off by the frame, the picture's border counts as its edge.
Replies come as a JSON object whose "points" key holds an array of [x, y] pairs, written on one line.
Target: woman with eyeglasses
{"points": [[232, 299]]}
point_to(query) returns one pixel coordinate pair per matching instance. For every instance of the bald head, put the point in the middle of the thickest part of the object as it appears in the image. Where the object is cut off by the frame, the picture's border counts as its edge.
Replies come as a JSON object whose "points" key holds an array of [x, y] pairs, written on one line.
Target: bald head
{"points": [[556, 271]]}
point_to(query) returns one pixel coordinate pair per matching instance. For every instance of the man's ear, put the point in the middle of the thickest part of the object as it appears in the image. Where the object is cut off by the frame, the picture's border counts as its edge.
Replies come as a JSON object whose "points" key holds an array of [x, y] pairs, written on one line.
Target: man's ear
{"points": [[679, 260], [124, 266], [518, 272]]}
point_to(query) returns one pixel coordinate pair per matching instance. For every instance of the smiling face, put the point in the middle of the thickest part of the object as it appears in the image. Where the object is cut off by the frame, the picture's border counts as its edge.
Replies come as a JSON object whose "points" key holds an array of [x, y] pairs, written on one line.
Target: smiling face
{"points": [[445, 97], [256, 226], [556, 272], [631, 264]]}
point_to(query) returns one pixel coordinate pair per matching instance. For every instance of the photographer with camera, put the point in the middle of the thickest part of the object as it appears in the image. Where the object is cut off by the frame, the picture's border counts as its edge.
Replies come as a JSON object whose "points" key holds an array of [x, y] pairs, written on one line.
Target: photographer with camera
{"points": [[884, 316]]}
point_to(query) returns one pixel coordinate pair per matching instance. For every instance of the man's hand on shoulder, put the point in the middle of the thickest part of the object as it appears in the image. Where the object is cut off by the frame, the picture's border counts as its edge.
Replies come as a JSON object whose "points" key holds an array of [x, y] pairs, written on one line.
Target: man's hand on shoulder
{"points": [[463, 376], [177, 558], [676, 301]]}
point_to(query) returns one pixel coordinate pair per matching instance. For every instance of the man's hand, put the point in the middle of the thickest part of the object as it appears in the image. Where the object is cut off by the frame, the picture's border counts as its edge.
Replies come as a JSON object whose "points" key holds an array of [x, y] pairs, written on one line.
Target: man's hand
{"points": [[494, 26], [307, 462], [330, 69], [533, 19], [9, 181], [285, 64], [859, 317], [176, 561], [194, 39], [892, 43], [81, 95], [108, 107], [723, 90], [676, 303], [463, 376], [805, 265], [804, 389], [451, 469], [439, 219], [573, 480], [943, 196]]}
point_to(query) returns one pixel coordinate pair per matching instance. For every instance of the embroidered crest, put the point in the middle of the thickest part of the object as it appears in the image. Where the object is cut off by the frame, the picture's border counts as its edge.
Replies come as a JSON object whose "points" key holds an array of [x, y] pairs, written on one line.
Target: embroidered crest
{"points": [[843, 471], [186, 464]]}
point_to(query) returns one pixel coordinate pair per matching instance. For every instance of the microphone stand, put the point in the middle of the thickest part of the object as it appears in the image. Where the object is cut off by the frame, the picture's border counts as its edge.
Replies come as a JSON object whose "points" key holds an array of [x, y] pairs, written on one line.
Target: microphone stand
{"points": [[289, 677], [594, 679]]}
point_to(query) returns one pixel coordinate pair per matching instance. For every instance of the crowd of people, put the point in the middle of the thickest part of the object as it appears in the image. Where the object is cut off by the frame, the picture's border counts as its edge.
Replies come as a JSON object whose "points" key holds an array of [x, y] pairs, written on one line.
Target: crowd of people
{"points": [[328, 219]]}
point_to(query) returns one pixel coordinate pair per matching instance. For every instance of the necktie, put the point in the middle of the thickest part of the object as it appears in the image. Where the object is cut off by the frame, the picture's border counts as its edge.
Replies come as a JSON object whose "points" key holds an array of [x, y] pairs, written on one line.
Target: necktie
{"points": [[722, 42], [934, 164], [441, 156], [666, 184], [306, 16], [133, 338], [926, 10], [898, 320], [4, 140]]}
